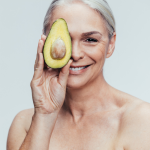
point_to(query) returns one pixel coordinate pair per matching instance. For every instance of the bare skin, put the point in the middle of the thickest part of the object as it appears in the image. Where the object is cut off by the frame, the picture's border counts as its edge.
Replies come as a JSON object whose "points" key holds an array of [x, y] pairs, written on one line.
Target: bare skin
{"points": [[79, 110]]}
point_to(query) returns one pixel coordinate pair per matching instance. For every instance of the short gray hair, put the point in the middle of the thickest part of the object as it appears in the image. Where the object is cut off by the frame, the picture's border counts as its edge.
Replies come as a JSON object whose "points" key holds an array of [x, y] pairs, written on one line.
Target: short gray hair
{"points": [[101, 6]]}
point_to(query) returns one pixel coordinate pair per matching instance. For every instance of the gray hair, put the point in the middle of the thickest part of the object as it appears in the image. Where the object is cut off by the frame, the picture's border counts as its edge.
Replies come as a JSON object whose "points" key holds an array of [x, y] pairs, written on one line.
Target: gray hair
{"points": [[101, 6]]}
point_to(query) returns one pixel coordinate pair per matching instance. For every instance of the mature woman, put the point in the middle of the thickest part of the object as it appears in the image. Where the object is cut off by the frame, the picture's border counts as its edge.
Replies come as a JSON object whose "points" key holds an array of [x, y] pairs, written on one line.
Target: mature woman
{"points": [[76, 109]]}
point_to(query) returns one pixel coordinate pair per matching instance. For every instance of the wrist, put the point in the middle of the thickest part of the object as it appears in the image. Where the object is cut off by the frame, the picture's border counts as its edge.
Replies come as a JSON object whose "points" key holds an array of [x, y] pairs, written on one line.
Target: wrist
{"points": [[46, 115], [46, 112], [44, 122]]}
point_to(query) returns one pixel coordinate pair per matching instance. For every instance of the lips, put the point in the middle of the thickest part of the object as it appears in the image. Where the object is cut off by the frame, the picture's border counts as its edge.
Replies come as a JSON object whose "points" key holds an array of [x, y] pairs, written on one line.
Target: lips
{"points": [[78, 69]]}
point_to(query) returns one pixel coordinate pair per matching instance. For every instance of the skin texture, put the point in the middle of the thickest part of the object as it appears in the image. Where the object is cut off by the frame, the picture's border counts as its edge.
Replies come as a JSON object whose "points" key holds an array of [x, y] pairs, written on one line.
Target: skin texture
{"points": [[80, 110]]}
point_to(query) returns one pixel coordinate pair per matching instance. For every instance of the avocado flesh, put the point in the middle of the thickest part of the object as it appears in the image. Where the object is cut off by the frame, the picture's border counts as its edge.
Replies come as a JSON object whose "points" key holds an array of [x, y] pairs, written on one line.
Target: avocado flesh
{"points": [[57, 39]]}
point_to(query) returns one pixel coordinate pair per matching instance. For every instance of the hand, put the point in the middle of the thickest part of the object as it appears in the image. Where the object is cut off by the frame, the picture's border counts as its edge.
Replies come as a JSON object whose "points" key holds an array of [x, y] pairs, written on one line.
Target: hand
{"points": [[48, 85]]}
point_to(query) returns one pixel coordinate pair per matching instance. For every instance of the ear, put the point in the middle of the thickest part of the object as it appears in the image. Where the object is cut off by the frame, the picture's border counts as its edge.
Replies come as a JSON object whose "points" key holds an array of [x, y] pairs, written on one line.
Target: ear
{"points": [[111, 45]]}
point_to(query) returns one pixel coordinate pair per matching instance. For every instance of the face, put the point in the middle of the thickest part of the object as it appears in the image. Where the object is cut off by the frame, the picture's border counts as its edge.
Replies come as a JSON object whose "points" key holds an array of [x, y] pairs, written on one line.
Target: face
{"points": [[90, 42]]}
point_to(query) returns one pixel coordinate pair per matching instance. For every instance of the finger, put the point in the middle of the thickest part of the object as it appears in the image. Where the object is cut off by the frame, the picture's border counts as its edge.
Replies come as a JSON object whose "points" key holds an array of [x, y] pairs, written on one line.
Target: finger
{"points": [[39, 50], [40, 46], [39, 69], [49, 68], [43, 37], [36, 60], [63, 75]]}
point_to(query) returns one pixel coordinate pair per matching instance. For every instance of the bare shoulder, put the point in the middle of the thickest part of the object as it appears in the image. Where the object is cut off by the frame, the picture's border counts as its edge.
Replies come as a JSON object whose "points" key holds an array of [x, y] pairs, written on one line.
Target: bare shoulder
{"points": [[135, 124], [136, 110], [19, 128], [24, 118]]}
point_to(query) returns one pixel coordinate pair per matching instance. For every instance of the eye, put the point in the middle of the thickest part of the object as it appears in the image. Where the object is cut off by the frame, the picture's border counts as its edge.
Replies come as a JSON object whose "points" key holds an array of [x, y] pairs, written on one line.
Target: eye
{"points": [[91, 40]]}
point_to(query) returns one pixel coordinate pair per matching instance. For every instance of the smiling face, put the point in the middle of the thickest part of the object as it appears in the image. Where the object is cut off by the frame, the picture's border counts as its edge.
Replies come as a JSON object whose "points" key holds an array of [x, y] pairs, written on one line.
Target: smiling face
{"points": [[90, 42]]}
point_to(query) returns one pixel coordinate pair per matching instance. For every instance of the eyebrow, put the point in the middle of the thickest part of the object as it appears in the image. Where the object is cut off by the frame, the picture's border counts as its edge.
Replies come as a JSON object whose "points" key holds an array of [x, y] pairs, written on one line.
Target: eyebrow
{"points": [[90, 33]]}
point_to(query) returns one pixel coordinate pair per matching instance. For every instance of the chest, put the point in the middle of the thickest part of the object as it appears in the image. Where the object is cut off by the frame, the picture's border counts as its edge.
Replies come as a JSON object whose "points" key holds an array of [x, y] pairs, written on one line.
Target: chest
{"points": [[91, 135]]}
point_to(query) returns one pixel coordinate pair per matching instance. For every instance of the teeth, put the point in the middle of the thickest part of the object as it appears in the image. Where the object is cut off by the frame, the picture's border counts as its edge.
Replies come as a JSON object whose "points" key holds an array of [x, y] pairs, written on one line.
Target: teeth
{"points": [[76, 69]]}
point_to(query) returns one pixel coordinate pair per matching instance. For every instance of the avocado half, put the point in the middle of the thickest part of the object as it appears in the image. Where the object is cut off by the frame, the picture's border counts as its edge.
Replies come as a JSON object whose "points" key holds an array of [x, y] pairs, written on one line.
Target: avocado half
{"points": [[57, 48]]}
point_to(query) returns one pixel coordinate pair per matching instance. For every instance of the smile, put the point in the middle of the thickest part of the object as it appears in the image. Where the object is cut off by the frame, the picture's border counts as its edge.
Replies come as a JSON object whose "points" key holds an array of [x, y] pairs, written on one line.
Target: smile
{"points": [[78, 70]]}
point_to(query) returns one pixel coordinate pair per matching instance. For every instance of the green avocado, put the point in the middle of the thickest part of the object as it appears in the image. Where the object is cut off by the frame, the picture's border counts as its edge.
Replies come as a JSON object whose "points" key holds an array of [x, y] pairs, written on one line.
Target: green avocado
{"points": [[57, 48]]}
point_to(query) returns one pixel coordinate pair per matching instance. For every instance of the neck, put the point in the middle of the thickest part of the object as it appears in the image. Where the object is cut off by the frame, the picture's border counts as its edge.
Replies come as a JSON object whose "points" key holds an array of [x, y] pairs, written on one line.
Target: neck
{"points": [[94, 97]]}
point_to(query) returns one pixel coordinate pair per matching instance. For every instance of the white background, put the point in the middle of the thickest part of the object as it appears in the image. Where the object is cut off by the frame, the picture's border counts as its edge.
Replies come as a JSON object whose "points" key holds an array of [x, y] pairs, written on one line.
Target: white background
{"points": [[128, 69]]}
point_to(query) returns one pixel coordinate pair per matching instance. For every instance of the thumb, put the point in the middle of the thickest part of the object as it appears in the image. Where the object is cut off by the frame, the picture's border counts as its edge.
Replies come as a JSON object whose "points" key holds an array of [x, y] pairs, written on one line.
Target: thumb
{"points": [[63, 75]]}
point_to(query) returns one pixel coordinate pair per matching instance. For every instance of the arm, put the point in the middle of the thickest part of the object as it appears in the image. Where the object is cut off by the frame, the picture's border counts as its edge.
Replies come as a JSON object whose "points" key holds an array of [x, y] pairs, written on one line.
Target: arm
{"points": [[28, 129], [48, 94], [39, 134]]}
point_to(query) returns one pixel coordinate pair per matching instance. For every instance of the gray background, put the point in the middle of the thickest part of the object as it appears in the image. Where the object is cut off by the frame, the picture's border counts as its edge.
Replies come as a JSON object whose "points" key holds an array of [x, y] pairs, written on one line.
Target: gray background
{"points": [[128, 69]]}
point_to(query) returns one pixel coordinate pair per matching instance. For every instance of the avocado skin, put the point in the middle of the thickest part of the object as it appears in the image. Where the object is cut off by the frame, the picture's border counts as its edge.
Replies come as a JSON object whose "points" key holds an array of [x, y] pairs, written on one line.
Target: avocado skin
{"points": [[51, 65]]}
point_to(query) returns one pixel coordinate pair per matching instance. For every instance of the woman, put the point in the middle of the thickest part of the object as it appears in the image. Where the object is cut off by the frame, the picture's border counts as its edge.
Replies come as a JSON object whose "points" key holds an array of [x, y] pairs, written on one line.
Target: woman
{"points": [[76, 109]]}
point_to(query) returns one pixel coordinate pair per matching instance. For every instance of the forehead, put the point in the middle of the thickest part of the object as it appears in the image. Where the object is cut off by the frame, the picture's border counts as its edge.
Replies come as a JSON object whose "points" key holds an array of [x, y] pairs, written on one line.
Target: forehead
{"points": [[81, 17]]}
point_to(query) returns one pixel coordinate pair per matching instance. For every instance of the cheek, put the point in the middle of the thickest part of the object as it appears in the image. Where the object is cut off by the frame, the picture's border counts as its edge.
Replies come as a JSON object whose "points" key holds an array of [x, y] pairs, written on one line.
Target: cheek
{"points": [[100, 56], [97, 54]]}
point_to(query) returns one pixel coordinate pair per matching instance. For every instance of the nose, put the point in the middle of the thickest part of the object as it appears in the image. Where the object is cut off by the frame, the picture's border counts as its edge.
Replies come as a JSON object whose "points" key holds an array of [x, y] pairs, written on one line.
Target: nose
{"points": [[77, 52]]}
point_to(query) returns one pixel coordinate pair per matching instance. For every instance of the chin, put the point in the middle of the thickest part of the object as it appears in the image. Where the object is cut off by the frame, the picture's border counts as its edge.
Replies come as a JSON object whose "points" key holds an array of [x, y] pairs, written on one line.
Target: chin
{"points": [[74, 86], [75, 83]]}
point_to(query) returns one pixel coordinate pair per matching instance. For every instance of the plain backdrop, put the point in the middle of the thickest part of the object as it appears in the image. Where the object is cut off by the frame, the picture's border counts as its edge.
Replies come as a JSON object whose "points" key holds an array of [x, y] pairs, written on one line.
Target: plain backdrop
{"points": [[128, 69]]}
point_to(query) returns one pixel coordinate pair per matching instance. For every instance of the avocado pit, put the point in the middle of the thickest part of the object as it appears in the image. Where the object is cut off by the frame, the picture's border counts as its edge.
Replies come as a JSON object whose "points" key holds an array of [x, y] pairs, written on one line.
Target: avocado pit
{"points": [[58, 49]]}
